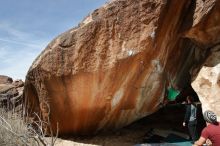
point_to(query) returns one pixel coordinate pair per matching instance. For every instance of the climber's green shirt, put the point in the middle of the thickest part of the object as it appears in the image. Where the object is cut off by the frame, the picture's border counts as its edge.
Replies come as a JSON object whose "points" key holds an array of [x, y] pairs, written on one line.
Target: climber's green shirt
{"points": [[172, 94]]}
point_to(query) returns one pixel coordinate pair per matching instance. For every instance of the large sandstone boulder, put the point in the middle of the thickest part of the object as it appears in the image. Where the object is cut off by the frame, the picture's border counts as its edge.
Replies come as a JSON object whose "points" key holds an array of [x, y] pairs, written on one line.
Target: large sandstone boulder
{"points": [[115, 67]]}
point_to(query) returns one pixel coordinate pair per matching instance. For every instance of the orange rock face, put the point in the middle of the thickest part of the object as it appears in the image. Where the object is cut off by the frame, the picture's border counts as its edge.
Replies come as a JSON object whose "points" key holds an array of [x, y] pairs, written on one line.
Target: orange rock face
{"points": [[115, 67]]}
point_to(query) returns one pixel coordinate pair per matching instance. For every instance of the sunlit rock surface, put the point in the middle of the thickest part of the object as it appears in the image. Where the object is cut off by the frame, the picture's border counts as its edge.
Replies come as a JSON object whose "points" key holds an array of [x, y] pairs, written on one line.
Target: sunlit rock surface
{"points": [[206, 33], [207, 86], [115, 67]]}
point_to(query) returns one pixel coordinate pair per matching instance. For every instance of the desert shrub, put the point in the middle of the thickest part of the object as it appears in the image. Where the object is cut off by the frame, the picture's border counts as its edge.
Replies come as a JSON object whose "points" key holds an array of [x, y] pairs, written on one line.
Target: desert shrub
{"points": [[14, 131]]}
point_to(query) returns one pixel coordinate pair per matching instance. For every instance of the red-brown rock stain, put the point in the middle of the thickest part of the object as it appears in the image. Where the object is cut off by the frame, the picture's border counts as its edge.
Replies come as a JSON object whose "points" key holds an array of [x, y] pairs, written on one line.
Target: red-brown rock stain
{"points": [[79, 99]]}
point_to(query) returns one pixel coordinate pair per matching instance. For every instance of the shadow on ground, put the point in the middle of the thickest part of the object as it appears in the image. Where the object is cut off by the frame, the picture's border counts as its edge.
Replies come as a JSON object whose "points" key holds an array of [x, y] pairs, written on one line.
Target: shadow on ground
{"points": [[161, 128]]}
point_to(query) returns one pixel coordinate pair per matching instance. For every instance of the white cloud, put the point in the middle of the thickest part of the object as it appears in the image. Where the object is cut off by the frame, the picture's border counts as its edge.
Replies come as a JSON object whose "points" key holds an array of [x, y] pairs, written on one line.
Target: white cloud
{"points": [[17, 51], [3, 52], [19, 42], [16, 63], [11, 30]]}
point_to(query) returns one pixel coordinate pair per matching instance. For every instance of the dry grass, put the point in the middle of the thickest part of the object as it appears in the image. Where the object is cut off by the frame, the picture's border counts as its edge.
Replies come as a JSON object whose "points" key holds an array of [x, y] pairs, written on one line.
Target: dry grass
{"points": [[14, 131]]}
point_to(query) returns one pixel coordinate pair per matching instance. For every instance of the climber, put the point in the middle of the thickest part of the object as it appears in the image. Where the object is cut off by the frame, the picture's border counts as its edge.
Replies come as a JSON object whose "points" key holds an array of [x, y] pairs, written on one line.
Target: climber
{"points": [[172, 93], [171, 90], [211, 132], [191, 118]]}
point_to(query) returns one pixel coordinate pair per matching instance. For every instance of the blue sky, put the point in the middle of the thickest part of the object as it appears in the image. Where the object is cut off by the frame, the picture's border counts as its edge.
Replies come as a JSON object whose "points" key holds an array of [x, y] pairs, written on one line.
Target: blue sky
{"points": [[27, 26]]}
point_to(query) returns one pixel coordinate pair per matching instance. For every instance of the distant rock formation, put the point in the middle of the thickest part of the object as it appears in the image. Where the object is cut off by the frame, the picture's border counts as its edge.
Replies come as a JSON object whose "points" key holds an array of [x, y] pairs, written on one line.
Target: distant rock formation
{"points": [[115, 67], [5, 79], [11, 92]]}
